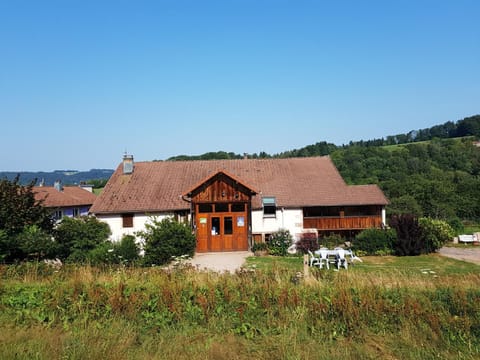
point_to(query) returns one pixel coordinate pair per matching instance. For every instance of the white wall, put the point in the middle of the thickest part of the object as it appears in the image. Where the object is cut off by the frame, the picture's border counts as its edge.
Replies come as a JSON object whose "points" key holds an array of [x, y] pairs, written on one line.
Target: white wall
{"points": [[116, 224], [290, 219]]}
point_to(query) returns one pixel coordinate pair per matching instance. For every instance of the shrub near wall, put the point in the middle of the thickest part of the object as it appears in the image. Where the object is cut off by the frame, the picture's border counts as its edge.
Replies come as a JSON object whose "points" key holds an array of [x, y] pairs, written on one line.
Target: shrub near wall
{"points": [[166, 239], [435, 233], [375, 241], [279, 242]]}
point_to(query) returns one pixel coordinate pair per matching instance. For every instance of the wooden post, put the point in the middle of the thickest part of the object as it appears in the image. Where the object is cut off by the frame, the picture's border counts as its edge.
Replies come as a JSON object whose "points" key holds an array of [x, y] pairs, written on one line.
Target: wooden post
{"points": [[306, 270]]}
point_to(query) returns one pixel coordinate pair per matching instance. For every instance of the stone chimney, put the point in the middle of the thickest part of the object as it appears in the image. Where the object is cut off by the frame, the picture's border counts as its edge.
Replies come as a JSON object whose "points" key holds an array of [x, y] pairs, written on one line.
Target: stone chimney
{"points": [[58, 185], [127, 164]]}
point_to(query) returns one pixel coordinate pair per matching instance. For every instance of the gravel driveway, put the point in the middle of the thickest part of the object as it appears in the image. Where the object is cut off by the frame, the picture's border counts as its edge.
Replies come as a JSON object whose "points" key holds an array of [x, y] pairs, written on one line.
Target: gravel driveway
{"points": [[468, 254], [220, 261]]}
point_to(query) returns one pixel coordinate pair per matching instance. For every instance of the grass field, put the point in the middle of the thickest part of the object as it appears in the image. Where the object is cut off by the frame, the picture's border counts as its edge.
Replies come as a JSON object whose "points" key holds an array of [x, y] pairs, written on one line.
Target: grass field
{"points": [[425, 307], [426, 142]]}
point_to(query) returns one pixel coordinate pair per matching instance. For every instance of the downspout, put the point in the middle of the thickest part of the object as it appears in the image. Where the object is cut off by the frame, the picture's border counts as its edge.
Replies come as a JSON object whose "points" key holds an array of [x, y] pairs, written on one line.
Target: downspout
{"points": [[189, 200], [283, 217]]}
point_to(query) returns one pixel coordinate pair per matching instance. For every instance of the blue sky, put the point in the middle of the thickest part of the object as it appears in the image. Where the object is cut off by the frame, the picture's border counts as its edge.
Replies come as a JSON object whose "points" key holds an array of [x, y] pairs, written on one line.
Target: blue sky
{"points": [[83, 81]]}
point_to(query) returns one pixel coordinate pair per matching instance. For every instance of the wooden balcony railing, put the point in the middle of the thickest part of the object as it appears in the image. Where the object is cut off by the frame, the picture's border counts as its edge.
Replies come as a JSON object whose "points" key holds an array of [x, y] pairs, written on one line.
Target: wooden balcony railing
{"points": [[342, 223]]}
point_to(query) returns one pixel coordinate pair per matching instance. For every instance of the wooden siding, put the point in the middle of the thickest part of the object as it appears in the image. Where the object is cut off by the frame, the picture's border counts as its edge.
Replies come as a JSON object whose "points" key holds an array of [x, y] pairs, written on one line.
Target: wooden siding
{"points": [[342, 223], [222, 214], [223, 189]]}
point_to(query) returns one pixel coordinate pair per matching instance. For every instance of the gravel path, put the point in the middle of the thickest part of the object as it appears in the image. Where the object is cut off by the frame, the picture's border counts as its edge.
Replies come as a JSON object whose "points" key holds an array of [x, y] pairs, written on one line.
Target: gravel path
{"points": [[468, 254], [220, 261]]}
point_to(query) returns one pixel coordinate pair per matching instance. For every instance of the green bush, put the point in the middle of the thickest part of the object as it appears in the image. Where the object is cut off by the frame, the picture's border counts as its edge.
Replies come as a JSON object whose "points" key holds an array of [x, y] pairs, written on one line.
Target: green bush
{"points": [[279, 242], [5, 246], [375, 241], [165, 240], [259, 246], [435, 233], [102, 254], [32, 243], [457, 225], [35, 243], [77, 237], [332, 240], [419, 236], [125, 252]]}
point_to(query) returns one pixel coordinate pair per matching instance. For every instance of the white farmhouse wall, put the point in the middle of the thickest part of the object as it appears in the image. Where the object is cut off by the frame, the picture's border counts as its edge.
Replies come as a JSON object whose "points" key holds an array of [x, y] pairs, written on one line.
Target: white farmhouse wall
{"points": [[116, 224], [289, 219]]}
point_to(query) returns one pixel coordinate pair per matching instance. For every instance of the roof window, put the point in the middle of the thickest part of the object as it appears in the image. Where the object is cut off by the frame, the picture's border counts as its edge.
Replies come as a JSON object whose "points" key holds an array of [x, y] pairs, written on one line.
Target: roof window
{"points": [[269, 206]]}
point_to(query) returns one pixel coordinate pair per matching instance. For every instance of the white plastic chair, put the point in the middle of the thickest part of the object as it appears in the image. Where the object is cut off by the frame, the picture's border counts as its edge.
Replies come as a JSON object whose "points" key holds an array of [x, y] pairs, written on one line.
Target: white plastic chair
{"points": [[341, 259], [313, 260], [323, 258]]}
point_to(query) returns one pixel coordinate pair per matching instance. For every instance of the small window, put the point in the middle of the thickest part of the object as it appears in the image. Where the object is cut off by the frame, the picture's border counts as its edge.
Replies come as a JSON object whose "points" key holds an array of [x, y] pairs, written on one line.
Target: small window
{"points": [[76, 212], [205, 208], [269, 207], [221, 207], [58, 215], [238, 207], [127, 220], [227, 225], [215, 226]]}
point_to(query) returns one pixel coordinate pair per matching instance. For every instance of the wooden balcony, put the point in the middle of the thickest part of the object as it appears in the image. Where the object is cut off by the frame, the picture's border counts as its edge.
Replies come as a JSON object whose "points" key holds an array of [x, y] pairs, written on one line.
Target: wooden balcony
{"points": [[342, 223]]}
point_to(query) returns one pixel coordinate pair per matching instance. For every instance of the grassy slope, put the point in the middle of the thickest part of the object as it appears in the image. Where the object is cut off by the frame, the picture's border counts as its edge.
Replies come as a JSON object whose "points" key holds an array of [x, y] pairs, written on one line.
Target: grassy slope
{"points": [[400, 146], [389, 308]]}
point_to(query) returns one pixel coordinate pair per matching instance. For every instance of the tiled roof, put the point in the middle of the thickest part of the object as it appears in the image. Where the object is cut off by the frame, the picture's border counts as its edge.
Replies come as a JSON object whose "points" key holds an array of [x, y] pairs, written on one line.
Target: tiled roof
{"points": [[69, 196], [294, 182]]}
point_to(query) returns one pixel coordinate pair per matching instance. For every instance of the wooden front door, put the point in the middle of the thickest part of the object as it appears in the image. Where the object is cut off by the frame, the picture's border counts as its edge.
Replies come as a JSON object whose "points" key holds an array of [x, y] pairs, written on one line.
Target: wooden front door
{"points": [[224, 228]]}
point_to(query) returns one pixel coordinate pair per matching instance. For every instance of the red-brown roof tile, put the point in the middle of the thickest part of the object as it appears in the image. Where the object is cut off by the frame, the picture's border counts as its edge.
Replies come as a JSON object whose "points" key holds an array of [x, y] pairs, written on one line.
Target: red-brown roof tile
{"points": [[69, 196], [294, 182]]}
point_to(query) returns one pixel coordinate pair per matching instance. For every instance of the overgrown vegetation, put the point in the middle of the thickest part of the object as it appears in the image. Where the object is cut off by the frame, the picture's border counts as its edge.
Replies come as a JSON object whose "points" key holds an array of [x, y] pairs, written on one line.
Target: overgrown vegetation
{"points": [[166, 239], [419, 236], [279, 242], [76, 238], [125, 252], [125, 313], [25, 224], [375, 242]]}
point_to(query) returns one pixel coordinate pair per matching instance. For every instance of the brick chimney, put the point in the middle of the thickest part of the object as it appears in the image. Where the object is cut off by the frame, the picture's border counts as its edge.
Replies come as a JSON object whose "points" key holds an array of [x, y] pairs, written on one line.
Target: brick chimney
{"points": [[127, 164]]}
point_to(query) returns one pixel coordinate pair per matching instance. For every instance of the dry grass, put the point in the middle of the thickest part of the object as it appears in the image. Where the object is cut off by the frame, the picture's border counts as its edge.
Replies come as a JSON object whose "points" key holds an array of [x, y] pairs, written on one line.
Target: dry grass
{"points": [[385, 308]]}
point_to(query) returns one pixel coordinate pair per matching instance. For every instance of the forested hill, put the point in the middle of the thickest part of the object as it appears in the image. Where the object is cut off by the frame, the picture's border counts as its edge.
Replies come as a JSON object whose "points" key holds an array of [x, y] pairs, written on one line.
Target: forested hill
{"points": [[431, 172], [469, 126], [67, 177]]}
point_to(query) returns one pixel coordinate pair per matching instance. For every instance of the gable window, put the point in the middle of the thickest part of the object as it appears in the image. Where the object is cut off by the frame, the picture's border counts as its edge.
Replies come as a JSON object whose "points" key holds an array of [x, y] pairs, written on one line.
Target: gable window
{"points": [[205, 208], [127, 220], [238, 207], [269, 206], [221, 207]]}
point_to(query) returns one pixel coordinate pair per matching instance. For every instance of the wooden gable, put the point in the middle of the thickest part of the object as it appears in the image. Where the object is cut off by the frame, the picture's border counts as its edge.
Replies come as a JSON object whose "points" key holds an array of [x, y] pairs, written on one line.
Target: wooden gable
{"points": [[221, 187]]}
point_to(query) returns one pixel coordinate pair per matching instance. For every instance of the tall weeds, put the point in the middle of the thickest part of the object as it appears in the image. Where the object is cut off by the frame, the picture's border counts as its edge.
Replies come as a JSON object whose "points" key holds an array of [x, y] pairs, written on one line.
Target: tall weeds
{"points": [[262, 314]]}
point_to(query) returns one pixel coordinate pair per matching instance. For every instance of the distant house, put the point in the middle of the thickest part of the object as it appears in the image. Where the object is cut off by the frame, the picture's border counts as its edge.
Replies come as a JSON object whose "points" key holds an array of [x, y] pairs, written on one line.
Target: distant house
{"points": [[71, 201], [232, 203]]}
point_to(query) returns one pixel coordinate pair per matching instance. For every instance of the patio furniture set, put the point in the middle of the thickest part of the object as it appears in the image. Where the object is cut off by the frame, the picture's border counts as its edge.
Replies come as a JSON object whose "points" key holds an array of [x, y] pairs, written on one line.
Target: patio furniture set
{"points": [[325, 257]]}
